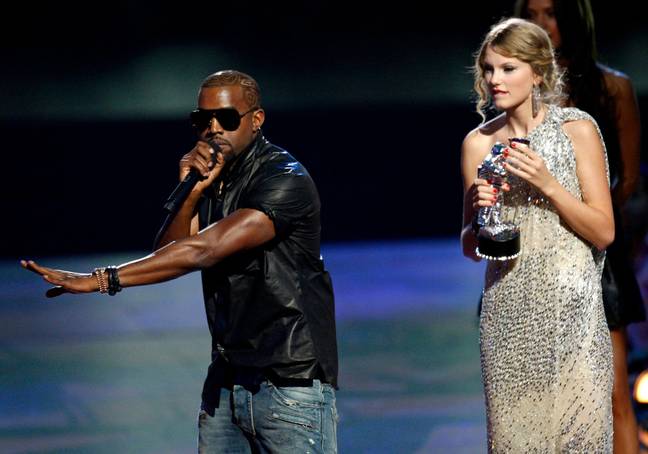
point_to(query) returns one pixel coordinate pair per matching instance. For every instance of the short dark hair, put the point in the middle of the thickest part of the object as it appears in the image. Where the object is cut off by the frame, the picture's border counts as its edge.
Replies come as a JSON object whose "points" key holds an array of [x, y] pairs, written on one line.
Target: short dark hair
{"points": [[228, 77]]}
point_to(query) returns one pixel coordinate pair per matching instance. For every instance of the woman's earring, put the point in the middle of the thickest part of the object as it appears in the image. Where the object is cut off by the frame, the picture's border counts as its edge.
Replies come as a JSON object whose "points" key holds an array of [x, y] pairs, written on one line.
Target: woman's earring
{"points": [[535, 100]]}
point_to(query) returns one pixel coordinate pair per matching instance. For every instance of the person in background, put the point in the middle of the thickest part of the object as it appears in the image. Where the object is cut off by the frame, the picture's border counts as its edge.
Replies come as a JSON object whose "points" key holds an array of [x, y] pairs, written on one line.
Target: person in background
{"points": [[608, 95]]}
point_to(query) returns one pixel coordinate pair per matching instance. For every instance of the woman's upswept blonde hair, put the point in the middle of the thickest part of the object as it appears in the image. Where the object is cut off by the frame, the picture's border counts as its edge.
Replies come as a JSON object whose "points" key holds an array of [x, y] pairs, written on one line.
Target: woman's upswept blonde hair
{"points": [[521, 39]]}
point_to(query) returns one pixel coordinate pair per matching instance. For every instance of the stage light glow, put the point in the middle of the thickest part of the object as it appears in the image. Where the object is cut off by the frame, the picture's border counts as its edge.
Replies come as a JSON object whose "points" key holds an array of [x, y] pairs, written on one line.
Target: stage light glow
{"points": [[641, 388]]}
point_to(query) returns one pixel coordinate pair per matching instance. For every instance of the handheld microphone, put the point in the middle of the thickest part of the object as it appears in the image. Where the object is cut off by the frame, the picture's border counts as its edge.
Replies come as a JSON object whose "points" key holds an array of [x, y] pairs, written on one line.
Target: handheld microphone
{"points": [[182, 191]]}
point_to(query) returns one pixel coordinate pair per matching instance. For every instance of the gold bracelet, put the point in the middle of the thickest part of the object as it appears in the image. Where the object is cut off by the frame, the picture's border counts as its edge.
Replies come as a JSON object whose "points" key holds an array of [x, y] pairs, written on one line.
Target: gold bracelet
{"points": [[99, 274]]}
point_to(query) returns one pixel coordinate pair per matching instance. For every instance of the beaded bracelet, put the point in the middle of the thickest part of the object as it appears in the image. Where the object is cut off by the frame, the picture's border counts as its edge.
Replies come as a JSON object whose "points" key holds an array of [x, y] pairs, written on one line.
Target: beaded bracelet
{"points": [[99, 274], [113, 280]]}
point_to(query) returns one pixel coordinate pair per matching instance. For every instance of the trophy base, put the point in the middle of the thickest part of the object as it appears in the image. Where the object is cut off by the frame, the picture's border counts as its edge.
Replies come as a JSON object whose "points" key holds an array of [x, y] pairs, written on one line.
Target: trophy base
{"points": [[498, 247]]}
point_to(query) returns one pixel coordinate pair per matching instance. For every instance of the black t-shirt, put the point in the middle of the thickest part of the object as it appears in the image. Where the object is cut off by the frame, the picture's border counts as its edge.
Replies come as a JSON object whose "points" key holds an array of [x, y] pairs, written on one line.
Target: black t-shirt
{"points": [[271, 308]]}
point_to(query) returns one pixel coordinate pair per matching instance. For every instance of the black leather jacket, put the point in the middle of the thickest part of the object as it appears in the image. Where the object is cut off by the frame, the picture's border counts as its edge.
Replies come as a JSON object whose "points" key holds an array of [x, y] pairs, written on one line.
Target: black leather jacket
{"points": [[270, 308]]}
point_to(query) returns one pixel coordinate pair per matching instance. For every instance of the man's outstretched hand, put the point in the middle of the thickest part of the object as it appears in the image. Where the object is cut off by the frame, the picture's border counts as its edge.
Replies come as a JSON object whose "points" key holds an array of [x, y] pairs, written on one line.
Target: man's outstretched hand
{"points": [[63, 281]]}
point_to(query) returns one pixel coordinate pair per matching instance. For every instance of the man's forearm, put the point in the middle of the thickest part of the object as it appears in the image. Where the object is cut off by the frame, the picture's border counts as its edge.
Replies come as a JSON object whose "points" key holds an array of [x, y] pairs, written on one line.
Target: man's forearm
{"points": [[173, 260], [242, 230], [180, 227]]}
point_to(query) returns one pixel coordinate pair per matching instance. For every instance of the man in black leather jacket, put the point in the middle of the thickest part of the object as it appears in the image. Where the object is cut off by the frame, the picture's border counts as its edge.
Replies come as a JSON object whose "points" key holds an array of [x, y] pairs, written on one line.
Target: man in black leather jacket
{"points": [[252, 226]]}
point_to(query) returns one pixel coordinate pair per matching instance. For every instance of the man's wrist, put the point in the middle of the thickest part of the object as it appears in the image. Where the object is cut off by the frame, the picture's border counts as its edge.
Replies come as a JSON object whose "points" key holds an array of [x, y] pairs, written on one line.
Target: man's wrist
{"points": [[106, 280], [191, 201], [100, 278]]}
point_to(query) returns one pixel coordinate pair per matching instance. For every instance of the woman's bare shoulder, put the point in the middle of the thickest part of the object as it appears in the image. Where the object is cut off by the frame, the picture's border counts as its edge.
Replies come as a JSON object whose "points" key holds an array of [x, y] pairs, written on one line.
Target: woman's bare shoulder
{"points": [[484, 135], [583, 128]]}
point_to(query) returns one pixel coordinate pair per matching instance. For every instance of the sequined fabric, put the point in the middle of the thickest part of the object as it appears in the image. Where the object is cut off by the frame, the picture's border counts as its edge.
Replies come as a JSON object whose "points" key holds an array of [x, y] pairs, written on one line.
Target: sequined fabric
{"points": [[545, 346]]}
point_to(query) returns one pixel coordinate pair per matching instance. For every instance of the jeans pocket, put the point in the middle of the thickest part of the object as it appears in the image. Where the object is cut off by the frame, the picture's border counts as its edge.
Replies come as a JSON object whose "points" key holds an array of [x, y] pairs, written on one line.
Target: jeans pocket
{"points": [[297, 405], [301, 419], [298, 396]]}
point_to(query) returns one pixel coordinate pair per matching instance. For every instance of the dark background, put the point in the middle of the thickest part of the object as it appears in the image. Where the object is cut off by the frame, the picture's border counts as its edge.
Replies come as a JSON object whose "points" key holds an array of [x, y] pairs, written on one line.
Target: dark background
{"points": [[374, 100]]}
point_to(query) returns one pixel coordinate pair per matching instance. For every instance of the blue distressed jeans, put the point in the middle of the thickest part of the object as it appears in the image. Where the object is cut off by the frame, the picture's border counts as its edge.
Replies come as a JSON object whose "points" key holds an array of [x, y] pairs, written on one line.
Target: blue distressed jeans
{"points": [[274, 419]]}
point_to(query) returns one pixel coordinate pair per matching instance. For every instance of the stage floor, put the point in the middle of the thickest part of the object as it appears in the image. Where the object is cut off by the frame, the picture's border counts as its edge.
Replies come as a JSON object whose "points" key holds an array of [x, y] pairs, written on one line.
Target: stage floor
{"points": [[95, 374]]}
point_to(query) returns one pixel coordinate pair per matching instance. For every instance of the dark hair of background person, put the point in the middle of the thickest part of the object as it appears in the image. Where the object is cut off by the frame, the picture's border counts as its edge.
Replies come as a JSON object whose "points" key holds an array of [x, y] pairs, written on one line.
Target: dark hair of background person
{"points": [[584, 81]]}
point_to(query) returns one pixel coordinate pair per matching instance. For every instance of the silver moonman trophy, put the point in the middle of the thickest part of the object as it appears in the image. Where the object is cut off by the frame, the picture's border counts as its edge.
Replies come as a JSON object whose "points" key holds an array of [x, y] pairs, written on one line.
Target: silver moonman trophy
{"points": [[496, 239]]}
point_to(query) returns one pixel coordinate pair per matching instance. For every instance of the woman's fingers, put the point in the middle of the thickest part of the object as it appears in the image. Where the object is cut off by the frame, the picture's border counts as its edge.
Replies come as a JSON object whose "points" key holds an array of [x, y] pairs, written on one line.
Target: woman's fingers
{"points": [[485, 196]]}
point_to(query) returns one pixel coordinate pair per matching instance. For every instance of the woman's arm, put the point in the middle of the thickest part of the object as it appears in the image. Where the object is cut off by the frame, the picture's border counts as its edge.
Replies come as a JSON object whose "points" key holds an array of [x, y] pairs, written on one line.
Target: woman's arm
{"points": [[591, 217], [629, 131], [477, 192]]}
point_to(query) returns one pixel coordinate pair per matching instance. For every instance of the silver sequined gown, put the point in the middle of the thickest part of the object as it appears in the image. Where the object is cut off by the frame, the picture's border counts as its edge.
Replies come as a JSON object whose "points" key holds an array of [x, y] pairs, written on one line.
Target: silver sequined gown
{"points": [[545, 346]]}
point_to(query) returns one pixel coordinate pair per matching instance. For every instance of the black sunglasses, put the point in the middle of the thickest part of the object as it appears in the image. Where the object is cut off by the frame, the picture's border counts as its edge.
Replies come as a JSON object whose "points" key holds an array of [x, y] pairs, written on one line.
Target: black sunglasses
{"points": [[228, 118]]}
